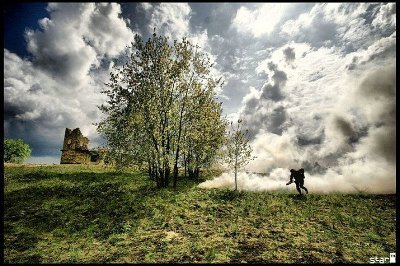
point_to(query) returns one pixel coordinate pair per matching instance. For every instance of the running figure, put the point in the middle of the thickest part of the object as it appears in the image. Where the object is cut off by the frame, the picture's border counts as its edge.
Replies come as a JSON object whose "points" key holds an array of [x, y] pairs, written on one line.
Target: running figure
{"points": [[298, 179]]}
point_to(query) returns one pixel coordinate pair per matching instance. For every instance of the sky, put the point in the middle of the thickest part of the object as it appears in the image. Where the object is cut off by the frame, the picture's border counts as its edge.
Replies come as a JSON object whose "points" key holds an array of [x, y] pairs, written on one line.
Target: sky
{"points": [[313, 82]]}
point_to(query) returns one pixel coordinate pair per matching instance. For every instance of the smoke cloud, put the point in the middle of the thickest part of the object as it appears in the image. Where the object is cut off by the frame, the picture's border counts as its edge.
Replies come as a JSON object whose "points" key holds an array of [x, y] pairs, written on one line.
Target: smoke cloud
{"points": [[354, 149]]}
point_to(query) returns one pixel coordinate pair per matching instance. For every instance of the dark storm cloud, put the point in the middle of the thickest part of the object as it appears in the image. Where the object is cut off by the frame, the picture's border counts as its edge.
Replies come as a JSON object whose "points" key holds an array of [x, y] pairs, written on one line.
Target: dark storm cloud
{"points": [[43, 132], [256, 117], [343, 126], [274, 91], [304, 140], [385, 144], [251, 106], [35, 88], [11, 110], [277, 119], [43, 141], [289, 54], [58, 85], [138, 18], [313, 168], [378, 91], [61, 66], [263, 111]]}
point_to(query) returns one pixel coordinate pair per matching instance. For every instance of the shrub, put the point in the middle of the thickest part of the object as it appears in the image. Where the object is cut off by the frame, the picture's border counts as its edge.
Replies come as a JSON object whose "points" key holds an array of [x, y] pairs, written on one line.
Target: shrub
{"points": [[16, 151]]}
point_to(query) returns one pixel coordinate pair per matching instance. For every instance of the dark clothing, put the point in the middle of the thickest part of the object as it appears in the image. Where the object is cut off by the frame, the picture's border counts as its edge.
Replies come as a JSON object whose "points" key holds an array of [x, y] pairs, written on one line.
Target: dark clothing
{"points": [[300, 184], [298, 179], [297, 175]]}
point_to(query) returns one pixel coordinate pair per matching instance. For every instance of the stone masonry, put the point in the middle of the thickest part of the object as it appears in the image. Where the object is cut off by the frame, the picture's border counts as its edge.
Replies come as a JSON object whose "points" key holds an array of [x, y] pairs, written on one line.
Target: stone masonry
{"points": [[75, 149]]}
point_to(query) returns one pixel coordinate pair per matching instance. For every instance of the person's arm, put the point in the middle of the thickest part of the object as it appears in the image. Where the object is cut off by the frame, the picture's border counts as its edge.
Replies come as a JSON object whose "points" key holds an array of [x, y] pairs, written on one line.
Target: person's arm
{"points": [[290, 181]]}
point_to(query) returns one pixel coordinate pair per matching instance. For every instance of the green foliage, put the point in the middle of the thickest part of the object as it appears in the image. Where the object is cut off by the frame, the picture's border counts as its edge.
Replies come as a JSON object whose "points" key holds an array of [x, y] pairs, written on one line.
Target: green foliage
{"points": [[93, 214], [16, 151], [162, 110]]}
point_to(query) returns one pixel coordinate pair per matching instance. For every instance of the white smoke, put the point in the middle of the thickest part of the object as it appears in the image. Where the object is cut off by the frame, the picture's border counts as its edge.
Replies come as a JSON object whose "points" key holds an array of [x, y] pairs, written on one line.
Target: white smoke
{"points": [[376, 178], [248, 181], [355, 153]]}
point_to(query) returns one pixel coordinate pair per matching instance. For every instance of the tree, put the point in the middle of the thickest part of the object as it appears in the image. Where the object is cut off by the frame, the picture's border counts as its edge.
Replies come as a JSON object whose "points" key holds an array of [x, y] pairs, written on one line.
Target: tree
{"points": [[156, 101], [237, 148], [205, 137], [16, 151]]}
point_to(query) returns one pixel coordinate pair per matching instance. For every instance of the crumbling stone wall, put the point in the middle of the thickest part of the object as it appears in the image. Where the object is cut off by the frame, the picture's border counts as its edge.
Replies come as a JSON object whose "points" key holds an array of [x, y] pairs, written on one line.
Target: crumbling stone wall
{"points": [[75, 148], [75, 157], [74, 140]]}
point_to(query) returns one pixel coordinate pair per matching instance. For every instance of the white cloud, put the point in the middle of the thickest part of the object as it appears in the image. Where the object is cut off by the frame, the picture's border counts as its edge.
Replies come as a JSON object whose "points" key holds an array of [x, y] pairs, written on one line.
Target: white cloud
{"points": [[170, 19], [60, 86], [338, 105], [386, 16], [91, 31], [341, 24], [293, 27], [106, 31], [260, 21], [318, 94]]}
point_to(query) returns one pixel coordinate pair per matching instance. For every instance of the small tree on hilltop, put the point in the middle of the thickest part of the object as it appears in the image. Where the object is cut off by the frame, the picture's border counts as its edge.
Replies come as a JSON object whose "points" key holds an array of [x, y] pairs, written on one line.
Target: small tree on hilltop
{"points": [[16, 151], [238, 148]]}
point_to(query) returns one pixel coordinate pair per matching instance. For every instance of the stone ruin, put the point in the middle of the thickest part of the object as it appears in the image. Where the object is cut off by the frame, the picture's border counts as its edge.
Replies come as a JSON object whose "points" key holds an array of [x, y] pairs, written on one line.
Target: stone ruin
{"points": [[75, 149]]}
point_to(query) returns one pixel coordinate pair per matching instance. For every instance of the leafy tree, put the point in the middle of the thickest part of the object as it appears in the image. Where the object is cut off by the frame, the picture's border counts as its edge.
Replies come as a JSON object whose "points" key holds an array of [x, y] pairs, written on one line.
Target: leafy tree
{"points": [[161, 102], [238, 149], [16, 151], [205, 137]]}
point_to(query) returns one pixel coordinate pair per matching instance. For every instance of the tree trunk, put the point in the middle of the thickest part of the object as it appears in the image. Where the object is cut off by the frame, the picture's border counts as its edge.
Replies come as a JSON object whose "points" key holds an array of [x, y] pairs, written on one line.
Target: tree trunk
{"points": [[235, 178], [179, 135], [236, 163], [161, 173], [155, 173], [191, 174], [150, 173], [185, 162], [167, 172], [175, 176]]}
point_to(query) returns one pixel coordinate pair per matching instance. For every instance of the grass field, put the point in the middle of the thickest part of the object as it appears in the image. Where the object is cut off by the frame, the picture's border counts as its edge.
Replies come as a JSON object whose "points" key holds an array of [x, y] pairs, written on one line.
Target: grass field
{"points": [[89, 214]]}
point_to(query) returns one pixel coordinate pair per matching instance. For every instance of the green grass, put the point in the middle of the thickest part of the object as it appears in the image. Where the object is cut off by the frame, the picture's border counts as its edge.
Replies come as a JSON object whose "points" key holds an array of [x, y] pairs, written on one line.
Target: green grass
{"points": [[91, 214]]}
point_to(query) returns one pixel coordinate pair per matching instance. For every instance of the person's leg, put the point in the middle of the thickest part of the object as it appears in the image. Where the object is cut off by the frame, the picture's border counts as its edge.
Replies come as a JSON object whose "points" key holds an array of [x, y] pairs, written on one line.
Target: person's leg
{"points": [[303, 187], [298, 187]]}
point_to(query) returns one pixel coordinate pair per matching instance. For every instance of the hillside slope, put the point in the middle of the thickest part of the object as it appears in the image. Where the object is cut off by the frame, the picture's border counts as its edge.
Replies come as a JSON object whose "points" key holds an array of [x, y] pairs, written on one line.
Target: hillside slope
{"points": [[90, 214]]}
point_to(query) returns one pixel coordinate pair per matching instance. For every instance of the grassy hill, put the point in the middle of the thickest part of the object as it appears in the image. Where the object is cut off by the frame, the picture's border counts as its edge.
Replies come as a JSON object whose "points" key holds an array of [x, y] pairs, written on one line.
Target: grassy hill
{"points": [[90, 214]]}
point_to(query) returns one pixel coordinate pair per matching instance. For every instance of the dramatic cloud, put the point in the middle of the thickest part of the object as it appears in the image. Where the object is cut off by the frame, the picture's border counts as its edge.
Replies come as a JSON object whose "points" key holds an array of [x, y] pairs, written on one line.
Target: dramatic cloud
{"points": [[386, 16], [313, 82], [261, 20], [273, 91], [170, 19], [289, 54], [327, 108], [60, 85]]}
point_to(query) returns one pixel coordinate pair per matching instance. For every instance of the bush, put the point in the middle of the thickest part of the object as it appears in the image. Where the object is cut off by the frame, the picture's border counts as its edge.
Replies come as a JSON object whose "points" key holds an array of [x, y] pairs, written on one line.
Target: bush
{"points": [[16, 151]]}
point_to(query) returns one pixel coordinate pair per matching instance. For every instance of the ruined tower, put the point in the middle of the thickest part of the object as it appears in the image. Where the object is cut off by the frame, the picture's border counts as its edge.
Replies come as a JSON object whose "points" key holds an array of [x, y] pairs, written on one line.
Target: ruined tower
{"points": [[75, 149]]}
